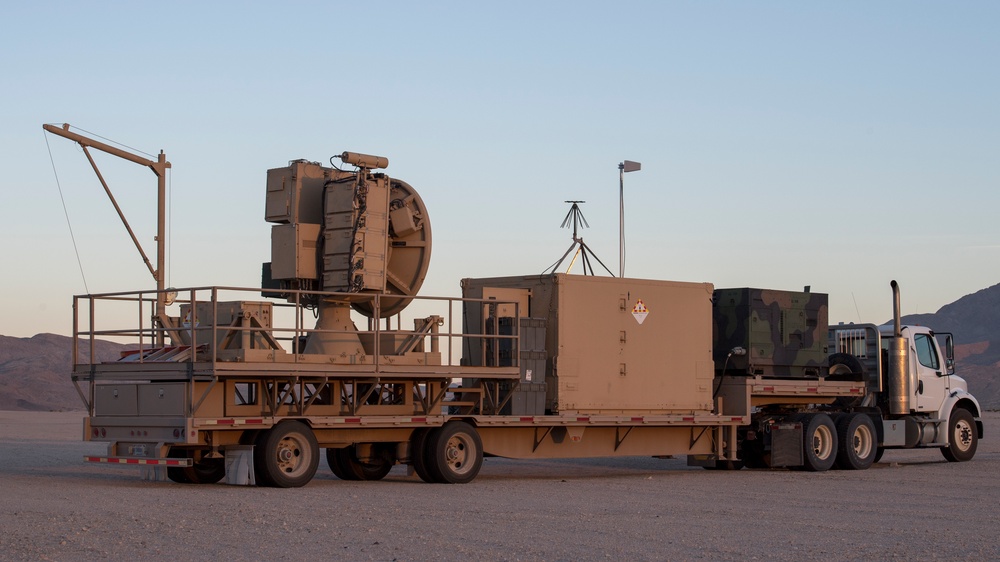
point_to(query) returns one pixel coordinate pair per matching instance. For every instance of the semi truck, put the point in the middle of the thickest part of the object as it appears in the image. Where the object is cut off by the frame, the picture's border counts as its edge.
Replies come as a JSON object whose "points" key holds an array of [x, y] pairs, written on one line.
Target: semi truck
{"points": [[335, 351]]}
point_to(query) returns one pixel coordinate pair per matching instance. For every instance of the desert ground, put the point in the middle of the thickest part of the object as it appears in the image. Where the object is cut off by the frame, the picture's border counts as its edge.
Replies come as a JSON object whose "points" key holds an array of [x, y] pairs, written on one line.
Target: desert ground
{"points": [[911, 505]]}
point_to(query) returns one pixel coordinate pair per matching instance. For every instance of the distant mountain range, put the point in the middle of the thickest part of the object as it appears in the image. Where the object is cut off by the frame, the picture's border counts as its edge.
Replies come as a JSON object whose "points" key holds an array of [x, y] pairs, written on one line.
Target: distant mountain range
{"points": [[34, 372], [975, 322]]}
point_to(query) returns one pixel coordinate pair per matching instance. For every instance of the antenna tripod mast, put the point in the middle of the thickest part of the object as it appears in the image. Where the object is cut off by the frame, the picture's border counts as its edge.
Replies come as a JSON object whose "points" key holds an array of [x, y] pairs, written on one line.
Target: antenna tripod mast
{"points": [[576, 218]]}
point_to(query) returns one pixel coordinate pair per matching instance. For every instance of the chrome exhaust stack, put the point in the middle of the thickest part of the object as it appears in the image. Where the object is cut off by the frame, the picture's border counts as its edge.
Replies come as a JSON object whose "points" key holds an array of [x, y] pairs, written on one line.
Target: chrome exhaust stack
{"points": [[899, 366]]}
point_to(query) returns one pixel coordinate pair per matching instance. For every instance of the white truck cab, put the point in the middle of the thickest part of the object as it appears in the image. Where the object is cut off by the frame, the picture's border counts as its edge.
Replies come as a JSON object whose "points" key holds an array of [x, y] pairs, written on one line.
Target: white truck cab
{"points": [[942, 413]]}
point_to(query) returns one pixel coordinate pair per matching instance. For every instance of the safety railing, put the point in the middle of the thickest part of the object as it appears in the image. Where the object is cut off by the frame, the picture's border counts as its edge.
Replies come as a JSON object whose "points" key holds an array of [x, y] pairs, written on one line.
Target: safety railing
{"points": [[236, 323]]}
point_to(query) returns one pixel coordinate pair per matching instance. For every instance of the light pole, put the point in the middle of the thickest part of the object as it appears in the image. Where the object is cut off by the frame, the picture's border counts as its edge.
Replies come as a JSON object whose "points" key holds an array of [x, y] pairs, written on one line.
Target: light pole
{"points": [[626, 166]]}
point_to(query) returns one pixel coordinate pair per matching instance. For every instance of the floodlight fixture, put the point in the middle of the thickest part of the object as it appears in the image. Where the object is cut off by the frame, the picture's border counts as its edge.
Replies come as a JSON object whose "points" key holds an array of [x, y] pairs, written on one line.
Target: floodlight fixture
{"points": [[625, 166]]}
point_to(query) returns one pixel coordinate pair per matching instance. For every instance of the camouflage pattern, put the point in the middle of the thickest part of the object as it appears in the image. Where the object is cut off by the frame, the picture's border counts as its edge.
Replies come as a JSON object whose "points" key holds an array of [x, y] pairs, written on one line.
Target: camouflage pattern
{"points": [[784, 333]]}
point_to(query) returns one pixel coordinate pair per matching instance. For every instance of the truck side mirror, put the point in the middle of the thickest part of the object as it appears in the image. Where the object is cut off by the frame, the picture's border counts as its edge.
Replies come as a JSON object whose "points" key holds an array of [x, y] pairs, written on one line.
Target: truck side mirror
{"points": [[949, 352]]}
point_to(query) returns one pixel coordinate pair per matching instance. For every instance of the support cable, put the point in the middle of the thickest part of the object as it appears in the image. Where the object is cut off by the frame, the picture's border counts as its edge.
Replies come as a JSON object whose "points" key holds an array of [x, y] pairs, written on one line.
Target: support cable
{"points": [[66, 212], [114, 142], [170, 227]]}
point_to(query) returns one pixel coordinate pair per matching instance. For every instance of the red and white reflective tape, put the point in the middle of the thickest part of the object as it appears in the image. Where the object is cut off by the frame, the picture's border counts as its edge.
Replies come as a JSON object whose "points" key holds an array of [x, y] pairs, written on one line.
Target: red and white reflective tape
{"points": [[129, 460], [234, 421], [410, 420]]}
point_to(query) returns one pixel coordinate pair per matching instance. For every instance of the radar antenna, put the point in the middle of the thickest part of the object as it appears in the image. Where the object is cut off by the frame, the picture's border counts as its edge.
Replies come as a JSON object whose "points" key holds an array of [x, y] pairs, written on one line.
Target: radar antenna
{"points": [[582, 251]]}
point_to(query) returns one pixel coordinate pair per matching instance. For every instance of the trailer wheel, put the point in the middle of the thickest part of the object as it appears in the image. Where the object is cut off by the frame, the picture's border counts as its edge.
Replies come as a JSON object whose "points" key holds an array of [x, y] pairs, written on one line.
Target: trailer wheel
{"points": [[286, 456], [856, 442], [819, 442], [333, 458], [962, 436], [206, 471], [418, 453], [176, 473], [203, 471], [454, 453], [353, 468]]}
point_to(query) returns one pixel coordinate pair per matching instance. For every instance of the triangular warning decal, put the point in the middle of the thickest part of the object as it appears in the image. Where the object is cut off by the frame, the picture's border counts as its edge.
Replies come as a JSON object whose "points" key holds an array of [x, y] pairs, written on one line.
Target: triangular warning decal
{"points": [[639, 311]]}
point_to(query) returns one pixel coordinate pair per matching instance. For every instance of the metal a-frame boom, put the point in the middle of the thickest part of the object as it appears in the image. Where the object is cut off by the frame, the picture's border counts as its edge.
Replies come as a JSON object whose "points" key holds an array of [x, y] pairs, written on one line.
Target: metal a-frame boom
{"points": [[159, 167]]}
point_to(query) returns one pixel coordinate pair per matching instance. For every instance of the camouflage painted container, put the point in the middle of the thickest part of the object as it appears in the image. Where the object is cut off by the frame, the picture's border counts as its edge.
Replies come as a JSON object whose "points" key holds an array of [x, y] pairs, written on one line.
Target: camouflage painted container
{"points": [[784, 333]]}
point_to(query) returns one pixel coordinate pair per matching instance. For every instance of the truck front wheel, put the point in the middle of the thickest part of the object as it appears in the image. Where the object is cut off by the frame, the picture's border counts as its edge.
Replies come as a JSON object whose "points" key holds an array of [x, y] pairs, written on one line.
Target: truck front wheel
{"points": [[286, 456], [819, 442], [962, 436], [856, 442]]}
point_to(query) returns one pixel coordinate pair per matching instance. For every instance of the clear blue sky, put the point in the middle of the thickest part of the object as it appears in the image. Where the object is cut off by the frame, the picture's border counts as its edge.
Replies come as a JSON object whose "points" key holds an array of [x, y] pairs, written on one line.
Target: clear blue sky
{"points": [[838, 145]]}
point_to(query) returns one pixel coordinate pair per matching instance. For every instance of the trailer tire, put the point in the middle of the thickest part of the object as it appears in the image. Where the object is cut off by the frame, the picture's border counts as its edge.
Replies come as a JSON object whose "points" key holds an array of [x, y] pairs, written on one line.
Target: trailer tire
{"points": [[963, 438], [418, 453], [878, 455], [354, 468], [286, 456], [857, 442], [454, 453], [206, 471], [203, 471], [819, 442], [176, 473], [333, 457]]}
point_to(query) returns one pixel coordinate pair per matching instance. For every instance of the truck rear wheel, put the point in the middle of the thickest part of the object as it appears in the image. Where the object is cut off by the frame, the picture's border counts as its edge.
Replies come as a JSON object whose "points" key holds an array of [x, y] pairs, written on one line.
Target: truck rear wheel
{"points": [[286, 456], [962, 436], [819, 442], [856, 442], [454, 453]]}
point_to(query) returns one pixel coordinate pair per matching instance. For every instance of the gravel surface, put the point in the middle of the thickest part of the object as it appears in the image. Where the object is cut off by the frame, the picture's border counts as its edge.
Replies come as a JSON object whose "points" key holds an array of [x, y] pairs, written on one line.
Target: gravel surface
{"points": [[912, 505]]}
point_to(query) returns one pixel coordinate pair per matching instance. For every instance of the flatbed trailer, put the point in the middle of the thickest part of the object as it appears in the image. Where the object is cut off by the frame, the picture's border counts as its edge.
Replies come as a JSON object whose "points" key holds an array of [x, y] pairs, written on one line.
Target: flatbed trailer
{"points": [[183, 409]]}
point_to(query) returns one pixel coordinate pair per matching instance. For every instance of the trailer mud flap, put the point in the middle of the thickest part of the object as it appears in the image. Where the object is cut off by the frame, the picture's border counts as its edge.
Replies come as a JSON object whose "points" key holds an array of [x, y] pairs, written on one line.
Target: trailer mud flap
{"points": [[785, 444]]}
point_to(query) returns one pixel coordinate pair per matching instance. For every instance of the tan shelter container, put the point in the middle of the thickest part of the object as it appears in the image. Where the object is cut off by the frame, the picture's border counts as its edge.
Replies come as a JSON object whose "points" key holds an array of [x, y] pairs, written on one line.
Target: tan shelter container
{"points": [[613, 345]]}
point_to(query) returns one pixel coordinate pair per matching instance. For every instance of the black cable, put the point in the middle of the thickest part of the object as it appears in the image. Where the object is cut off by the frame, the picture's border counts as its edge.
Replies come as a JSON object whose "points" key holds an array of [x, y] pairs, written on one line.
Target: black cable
{"points": [[66, 212]]}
